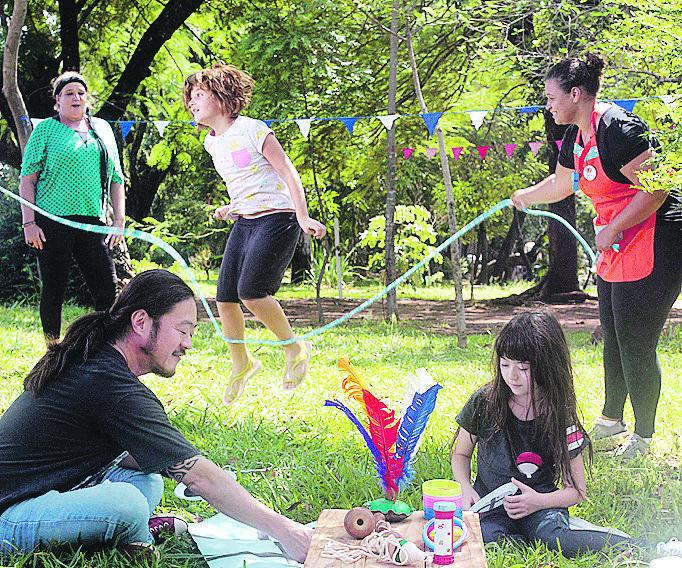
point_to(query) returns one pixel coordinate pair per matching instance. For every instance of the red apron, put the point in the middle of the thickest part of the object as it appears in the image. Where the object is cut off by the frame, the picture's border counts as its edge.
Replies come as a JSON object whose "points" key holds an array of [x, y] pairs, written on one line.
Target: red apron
{"points": [[635, 258]]}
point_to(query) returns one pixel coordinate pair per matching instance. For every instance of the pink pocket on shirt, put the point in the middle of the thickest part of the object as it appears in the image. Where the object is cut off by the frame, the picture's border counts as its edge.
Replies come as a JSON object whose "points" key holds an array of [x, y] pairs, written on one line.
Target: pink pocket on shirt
{"points": [[241, 158]]}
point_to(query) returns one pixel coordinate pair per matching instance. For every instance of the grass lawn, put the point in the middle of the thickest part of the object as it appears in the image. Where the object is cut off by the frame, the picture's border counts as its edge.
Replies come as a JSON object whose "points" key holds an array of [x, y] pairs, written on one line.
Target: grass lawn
{"points": [[299, 457]]}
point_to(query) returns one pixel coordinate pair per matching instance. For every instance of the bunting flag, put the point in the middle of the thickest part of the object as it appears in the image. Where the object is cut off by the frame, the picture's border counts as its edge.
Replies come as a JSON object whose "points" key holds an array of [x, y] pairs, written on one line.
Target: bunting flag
{"points": [[407, 152], [535, 147], [477, 117], [36, 121], [161, 126], [529, 109], [349, 121], [627, 104], [431, 120], [304, 126], [431, 152], [482, 151], [125, 126], [509, 149], [388, 120], [558, 144], [268, 122], [669, 100], [456, 152]]}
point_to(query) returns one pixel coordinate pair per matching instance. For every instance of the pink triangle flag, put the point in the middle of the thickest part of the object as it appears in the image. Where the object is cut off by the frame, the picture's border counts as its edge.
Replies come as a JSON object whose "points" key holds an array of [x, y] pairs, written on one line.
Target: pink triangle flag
{"points": [[509, 149], [431, 152], [558, 144], [456, 152], [535, 147], [407, 152], [482, 151]]}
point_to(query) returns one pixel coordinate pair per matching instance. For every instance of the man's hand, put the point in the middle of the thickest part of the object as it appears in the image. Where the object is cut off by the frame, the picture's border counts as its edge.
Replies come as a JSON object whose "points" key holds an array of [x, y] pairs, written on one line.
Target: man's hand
{"points": [[519, 506], [295, 539]]}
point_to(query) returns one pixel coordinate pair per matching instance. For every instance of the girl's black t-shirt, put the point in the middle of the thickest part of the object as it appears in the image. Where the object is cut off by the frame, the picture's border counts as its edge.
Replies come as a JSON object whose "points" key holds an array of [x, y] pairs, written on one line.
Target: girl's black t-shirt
{"points": [[523, 454]]}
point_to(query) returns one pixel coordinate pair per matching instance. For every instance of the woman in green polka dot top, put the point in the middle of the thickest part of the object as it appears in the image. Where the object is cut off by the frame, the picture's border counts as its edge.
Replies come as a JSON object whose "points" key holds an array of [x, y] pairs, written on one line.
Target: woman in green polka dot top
{"points": [[71, 169]]}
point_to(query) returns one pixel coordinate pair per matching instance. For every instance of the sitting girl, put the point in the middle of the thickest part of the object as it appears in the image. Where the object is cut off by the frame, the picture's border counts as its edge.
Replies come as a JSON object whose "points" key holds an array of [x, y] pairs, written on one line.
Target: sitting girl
{"points": [[525, 423]]}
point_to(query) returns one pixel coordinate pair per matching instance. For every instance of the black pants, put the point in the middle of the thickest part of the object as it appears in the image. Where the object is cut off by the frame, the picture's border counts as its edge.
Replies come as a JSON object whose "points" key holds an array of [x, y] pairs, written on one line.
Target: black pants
{"points": [[256, 256], [549, 526], [93, 257], [632, 316]]}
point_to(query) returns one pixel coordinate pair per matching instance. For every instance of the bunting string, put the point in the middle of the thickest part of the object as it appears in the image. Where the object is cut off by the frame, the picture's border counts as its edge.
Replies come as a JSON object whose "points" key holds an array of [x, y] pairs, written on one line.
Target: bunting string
{"points": [[430, 119]]}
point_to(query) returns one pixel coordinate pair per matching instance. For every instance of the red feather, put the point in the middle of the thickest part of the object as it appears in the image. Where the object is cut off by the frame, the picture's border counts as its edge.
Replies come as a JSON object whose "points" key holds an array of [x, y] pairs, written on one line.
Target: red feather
{"points": [[383, 428]]}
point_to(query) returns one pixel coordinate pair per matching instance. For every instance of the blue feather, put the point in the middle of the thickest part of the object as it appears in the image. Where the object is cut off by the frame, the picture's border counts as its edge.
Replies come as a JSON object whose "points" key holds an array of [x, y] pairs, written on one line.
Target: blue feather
{"points": [[378, 459], [412, 428]]}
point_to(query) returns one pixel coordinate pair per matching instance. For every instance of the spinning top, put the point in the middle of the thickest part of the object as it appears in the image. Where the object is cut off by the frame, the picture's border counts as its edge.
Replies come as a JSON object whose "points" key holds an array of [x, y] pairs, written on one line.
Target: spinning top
{"points": [[359, 522]]}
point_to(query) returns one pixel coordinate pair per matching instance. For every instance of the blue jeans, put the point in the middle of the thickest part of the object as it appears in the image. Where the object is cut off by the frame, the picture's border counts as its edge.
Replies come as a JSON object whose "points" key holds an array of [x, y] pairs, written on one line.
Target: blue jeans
{"points": [[114, 509], [549, 526]]}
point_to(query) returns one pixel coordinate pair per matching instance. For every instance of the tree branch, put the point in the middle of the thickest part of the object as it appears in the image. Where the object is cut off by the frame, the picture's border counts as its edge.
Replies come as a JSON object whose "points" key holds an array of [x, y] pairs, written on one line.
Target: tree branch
{"points": [[169, 20]]}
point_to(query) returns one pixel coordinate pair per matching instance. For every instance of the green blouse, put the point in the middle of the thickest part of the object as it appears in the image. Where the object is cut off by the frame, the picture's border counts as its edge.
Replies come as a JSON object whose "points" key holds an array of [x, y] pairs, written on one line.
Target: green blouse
{"points": [[68, 168]]}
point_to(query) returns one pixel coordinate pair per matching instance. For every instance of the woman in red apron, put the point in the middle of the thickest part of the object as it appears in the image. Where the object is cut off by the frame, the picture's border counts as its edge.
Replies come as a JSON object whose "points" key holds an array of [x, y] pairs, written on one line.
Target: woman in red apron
{"points": [[638, 234]]}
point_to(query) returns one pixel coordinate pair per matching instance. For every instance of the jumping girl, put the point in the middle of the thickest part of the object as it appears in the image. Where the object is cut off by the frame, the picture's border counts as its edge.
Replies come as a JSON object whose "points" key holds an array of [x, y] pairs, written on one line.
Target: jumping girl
{"points": [[267, 202]]}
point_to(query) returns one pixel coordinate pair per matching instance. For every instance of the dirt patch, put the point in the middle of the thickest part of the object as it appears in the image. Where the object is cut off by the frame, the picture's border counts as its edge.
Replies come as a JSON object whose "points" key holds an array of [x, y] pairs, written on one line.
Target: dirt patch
{"points": [[439, 316]]}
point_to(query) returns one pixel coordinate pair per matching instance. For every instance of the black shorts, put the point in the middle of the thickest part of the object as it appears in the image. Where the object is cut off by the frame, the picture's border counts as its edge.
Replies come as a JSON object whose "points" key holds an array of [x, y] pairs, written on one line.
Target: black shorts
{"points": [[257, 253]]}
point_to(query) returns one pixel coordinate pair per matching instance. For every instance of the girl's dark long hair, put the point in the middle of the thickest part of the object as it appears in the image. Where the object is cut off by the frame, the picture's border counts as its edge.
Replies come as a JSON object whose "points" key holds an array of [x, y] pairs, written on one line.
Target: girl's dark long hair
{"points": [[537, 338], [154, 291]]}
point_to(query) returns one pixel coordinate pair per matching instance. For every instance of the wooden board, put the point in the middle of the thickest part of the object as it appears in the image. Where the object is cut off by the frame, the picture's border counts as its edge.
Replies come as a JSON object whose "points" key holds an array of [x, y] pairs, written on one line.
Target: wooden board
{"points": [[330, 526]]}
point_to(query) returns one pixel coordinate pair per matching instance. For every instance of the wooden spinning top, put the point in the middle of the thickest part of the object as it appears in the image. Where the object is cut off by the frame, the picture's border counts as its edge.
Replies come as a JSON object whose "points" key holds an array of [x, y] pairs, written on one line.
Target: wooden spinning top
{"points": [[359, 522]]}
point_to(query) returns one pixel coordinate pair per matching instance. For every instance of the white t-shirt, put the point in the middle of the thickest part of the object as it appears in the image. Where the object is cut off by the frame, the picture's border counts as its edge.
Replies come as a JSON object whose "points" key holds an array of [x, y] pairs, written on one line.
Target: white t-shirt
{"points": [[252, 183]]}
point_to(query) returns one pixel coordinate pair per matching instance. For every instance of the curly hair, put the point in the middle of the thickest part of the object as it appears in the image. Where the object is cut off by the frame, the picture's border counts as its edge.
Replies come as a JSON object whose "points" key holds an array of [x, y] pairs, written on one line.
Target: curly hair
{"points": [[232, 87]]}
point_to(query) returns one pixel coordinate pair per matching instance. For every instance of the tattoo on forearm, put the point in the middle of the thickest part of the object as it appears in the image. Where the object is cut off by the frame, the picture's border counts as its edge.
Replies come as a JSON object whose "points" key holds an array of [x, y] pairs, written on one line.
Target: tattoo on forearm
{"points": [[178, 471]]}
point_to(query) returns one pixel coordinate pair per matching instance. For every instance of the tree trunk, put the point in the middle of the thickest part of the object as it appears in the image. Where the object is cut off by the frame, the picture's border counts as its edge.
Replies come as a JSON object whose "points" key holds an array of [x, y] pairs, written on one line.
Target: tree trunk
{"points": [[10, 85], [68, 35], [447, 180], [562, 276], [391, 272], [172, 16], [301, 265], [501, 269]]}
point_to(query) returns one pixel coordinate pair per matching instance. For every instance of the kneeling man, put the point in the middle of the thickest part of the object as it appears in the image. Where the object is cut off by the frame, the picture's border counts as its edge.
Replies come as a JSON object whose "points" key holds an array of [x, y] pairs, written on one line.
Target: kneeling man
{"points": [[82, 449]]}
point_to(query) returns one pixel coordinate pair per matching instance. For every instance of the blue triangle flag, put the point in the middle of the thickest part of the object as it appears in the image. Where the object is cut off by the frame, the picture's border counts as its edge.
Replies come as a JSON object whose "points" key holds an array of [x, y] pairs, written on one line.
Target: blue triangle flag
{"points": [[627, 104], [529, 109], [126, 125], [431, 120], [349, 121], [268, 122]]}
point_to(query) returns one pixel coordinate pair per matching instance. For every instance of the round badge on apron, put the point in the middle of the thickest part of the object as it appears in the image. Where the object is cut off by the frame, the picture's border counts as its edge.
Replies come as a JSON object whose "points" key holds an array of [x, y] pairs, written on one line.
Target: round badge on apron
{"points": [[590, 172]]}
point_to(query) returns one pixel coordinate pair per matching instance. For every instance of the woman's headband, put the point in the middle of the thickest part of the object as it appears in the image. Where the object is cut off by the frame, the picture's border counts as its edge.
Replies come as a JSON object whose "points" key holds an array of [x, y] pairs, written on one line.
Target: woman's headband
{"points": [[65, 81]]}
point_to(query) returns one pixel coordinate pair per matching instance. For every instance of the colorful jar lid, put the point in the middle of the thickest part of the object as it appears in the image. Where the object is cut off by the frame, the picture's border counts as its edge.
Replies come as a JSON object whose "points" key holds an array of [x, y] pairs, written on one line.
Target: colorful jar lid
{"points": [[441, 488]]}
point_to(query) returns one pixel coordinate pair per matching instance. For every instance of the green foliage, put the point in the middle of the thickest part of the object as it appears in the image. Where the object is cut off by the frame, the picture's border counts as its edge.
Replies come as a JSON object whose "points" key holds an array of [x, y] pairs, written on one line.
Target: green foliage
{"points": [[415, 237], [19, 274]]}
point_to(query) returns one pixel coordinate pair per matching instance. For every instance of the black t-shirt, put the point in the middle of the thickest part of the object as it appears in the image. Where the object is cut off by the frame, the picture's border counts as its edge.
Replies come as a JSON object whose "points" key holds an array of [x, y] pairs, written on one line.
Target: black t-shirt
{"points": [[526, 458], [78, 424], [621, 137]]}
